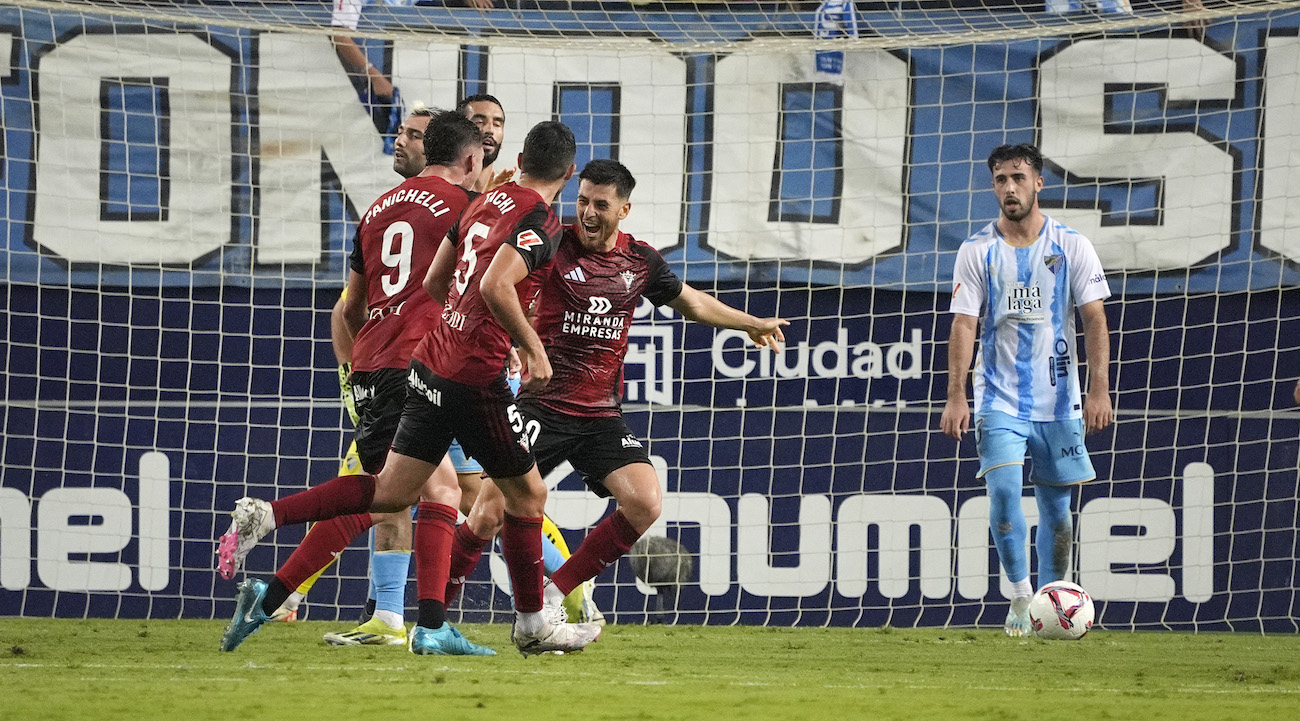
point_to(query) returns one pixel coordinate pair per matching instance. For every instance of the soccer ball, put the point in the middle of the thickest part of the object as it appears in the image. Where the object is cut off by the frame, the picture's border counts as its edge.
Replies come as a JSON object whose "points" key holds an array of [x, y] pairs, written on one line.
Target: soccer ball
{"points": [[1061, 611], [660, 561]]}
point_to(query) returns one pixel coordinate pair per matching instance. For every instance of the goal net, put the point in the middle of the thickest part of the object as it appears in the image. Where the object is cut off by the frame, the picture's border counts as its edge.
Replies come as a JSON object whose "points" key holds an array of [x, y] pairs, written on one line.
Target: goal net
{"points": [[181, 181]]}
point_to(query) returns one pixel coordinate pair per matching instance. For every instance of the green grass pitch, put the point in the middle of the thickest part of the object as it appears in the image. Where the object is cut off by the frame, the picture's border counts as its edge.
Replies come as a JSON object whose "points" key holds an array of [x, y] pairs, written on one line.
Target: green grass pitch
{"points": [[145, 670]]}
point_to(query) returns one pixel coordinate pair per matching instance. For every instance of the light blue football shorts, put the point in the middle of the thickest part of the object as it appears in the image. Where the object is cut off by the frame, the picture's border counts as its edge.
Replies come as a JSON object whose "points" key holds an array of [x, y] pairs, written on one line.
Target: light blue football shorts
{"points": [[464, 463], [1055, 448]]}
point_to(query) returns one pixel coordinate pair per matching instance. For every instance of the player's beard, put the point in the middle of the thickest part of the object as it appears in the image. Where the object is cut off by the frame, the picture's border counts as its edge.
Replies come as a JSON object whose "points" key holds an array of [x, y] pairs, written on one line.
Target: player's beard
{"points": [[1022, 209], [406, 166], [491, 157]]}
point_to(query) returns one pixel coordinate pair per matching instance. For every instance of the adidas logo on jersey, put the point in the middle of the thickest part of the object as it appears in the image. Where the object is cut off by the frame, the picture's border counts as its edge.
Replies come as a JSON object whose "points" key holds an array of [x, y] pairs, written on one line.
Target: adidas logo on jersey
{"points": [[576, 275]]}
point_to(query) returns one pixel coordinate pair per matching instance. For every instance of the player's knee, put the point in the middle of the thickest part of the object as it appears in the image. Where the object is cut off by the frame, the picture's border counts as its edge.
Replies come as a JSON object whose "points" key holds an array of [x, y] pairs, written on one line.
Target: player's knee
{"points": [[1004, 528], [441, 487], [523, 496], [484, 525], [488, 515], [470, 486], [642, 512], [393, 503]]}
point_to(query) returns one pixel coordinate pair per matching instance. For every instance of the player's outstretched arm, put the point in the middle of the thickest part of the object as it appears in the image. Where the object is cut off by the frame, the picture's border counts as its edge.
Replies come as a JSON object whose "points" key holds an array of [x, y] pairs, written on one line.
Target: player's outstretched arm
{"points": [[961, 348], [497, 287], [704, 308], [1097, 411]]}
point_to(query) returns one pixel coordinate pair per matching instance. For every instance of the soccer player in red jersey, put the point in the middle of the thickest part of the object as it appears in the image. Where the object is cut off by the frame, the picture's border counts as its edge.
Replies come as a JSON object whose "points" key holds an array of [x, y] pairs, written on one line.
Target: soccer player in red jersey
{"points": [[386, 312], [390, 554], [382, 621], [456, 388], [582, 315]]}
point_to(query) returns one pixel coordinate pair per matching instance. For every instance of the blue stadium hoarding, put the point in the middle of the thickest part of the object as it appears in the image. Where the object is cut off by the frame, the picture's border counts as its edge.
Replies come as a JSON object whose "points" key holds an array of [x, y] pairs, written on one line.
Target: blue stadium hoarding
{"points": [[141, 396], [779, 489], [1196, 166]]}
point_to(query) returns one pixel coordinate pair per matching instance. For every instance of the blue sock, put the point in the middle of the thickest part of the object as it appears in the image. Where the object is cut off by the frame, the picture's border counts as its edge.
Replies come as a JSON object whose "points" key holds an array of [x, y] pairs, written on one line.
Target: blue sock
{"points": [[370, 591], [1007, 520], [552, 559], [388, 571], [1055, 537]]}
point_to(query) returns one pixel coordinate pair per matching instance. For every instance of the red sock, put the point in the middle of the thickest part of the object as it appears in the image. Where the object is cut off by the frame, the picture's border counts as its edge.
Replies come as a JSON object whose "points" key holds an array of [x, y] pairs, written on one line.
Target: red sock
{"points": [[324, 541], [521, 545], [466, 550], [606, 543], [341, 496], [435, 523]]}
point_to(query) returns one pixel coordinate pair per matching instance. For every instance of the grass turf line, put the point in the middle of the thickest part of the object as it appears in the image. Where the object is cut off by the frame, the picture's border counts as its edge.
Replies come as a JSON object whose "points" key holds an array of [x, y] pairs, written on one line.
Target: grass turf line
{"points": [[145, 670]]}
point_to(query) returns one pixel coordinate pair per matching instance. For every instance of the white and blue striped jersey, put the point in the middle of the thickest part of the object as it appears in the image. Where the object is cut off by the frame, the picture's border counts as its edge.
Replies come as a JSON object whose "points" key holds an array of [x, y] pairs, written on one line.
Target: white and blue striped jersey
{"points": [[1062, 7], [1025, 298]]}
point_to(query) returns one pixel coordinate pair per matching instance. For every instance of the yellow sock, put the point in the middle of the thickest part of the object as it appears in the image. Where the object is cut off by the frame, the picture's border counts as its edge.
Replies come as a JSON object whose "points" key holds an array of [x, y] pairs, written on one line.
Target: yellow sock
{"points": [[350, 466]]}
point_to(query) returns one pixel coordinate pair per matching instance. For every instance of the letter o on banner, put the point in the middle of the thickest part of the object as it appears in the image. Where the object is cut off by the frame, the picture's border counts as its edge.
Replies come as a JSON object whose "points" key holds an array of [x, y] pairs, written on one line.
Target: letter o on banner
{"points": [[69, 218]]}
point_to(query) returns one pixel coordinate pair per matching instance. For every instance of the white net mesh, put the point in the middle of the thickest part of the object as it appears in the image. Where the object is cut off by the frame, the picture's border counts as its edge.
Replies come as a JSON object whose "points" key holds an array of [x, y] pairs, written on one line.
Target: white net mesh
{"points": [[181, 182]]}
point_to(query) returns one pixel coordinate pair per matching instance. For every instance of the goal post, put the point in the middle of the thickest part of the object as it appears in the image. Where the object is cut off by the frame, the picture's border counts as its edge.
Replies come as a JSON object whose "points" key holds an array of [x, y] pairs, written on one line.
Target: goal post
{"points": [[181, 182]]}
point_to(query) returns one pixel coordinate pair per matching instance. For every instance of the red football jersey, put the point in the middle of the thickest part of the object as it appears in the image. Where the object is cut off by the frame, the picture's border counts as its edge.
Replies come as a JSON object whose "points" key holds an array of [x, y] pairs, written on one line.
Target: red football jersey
{"points": [[469, 346], [395, 244], [583, 315]]}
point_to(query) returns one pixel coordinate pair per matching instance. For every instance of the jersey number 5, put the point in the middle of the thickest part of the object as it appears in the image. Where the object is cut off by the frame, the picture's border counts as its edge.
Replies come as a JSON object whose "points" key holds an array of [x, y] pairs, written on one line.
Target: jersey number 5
{"points": [[469, 257], [530, 428]]}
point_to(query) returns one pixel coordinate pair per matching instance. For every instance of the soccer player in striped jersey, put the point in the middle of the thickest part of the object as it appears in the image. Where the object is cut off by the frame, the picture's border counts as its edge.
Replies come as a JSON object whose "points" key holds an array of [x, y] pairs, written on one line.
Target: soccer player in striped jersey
{"points": [[582, 315], [1016, 286]]}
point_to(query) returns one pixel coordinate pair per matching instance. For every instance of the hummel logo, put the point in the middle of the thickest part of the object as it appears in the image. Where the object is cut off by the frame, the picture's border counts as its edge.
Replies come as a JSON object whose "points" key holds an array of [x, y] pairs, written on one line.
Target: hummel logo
{"points": [[576, 275]]}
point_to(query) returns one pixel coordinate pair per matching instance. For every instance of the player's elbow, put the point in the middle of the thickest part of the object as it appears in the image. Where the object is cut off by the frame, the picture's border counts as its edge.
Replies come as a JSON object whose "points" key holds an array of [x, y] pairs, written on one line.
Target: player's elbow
{"points": [[350, 315], [436, 288], [491, 294], [691, 307]]}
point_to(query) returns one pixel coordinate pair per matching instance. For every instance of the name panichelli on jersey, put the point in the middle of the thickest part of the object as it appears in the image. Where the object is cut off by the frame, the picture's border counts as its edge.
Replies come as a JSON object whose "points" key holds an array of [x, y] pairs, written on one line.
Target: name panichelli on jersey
{"points": [[594, 326], [409, 195]]}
